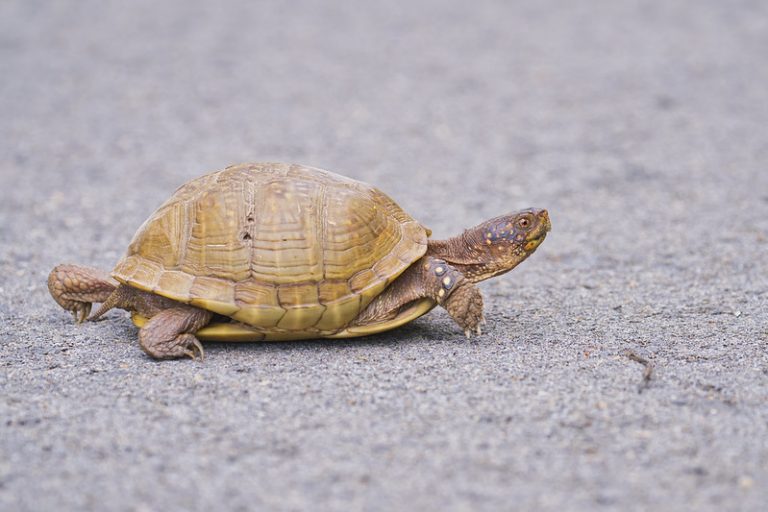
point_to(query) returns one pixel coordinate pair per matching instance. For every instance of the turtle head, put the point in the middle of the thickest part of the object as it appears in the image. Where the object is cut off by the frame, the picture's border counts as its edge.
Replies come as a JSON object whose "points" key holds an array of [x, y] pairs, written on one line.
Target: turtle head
{"points": [[500, 244]]}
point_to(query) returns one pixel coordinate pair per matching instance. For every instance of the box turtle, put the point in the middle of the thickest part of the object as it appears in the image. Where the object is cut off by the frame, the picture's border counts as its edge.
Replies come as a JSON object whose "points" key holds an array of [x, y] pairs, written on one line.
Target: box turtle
{"points": [[272, 251]]}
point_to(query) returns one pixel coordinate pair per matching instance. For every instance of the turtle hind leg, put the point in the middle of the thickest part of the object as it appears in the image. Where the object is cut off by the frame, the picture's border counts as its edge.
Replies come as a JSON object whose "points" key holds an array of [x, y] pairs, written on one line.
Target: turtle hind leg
{"points": [[75, 288], [170, 333]]}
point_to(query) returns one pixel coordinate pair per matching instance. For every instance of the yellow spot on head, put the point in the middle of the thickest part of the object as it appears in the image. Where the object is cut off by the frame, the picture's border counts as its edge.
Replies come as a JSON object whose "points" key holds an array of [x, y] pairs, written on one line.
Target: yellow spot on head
{"points": [[441, 293], [533, 244], [447, 281]]}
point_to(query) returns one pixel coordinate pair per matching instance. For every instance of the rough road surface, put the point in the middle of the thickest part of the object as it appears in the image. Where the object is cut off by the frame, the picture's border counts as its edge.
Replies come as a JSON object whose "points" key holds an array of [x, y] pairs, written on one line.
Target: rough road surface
{"points": [[641, 126]]}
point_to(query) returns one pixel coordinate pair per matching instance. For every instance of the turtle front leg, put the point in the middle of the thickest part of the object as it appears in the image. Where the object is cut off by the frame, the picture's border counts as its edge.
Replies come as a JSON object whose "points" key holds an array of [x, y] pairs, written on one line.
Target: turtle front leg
{"points": [[465, 305], [435, 279], [76, 288], [457, 294], [170, 333]]}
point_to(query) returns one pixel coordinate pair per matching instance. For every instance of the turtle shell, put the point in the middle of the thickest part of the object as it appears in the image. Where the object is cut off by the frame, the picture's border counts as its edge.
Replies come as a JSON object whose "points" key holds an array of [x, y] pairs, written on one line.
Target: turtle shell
{"points": [[291, 251]]}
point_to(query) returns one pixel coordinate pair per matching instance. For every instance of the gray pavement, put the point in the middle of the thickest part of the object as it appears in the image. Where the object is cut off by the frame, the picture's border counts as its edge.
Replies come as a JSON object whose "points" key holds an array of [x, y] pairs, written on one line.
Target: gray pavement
{"points": [[641, 126]]}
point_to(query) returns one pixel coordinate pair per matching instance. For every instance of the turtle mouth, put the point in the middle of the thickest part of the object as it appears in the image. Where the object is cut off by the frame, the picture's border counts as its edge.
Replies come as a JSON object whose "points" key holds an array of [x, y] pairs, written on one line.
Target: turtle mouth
{"points": [[540, 233], [533, 243]]}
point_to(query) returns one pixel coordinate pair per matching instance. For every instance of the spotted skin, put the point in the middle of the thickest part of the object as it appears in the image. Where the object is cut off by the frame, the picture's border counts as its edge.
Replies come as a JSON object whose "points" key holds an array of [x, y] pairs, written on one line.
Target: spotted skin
{"points": [[431, 278], [451, 267]]}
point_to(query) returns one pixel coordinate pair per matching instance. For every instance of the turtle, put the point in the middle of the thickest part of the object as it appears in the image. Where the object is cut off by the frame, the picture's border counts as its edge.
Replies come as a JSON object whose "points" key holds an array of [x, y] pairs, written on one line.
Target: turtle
{"points": [[276, 251]]}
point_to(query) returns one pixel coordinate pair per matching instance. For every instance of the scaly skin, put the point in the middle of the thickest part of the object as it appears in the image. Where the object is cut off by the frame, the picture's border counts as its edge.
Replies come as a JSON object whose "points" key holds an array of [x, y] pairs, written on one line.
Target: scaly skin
{"points": [[433, 278], [76, 288], [168, 335]]}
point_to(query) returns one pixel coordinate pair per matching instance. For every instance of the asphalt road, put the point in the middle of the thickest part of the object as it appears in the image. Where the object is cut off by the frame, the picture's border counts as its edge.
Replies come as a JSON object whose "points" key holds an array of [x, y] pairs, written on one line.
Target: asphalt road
{"points": [[641, 126]]}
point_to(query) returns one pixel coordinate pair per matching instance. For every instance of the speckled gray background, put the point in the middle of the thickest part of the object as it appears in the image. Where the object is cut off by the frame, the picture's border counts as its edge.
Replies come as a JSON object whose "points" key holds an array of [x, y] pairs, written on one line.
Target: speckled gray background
{"points": [[641, 126]]}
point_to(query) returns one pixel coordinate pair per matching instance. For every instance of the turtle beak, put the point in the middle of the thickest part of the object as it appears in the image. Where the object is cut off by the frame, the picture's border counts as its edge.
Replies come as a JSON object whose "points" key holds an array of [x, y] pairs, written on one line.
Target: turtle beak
{"points": [[540, 232], [544, 219]]}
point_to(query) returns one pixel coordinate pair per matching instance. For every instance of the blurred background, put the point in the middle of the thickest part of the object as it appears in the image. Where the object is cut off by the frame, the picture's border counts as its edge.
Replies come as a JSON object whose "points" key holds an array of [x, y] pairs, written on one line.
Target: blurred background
{"points": [[493, 106], [640, 125]]}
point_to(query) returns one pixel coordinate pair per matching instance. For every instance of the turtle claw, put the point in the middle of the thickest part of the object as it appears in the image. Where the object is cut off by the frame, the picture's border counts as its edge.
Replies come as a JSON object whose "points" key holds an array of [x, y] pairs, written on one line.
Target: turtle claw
{"points": [[477, 330], [195, 349], [80, 311]]}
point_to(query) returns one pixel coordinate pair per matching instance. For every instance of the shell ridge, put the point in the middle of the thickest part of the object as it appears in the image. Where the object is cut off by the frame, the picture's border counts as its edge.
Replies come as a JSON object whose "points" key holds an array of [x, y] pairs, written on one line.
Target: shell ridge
{"points": [[252, 217], [323, 226]]}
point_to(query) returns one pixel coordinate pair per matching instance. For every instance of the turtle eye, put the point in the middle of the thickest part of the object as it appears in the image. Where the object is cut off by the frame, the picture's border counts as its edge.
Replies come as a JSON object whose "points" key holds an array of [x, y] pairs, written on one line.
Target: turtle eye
{"points": [[524, 222]]}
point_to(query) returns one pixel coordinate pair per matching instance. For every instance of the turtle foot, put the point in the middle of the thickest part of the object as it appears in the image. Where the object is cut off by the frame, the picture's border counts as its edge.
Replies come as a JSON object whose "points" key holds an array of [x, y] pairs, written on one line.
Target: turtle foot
{"points": [[76, 288], [169, 334], [465, 306], [183, 345]]}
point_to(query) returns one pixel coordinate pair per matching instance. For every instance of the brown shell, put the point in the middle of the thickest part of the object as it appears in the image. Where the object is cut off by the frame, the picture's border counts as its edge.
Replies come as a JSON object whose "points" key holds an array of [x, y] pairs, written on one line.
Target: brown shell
{"points": [[282, 248]]}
